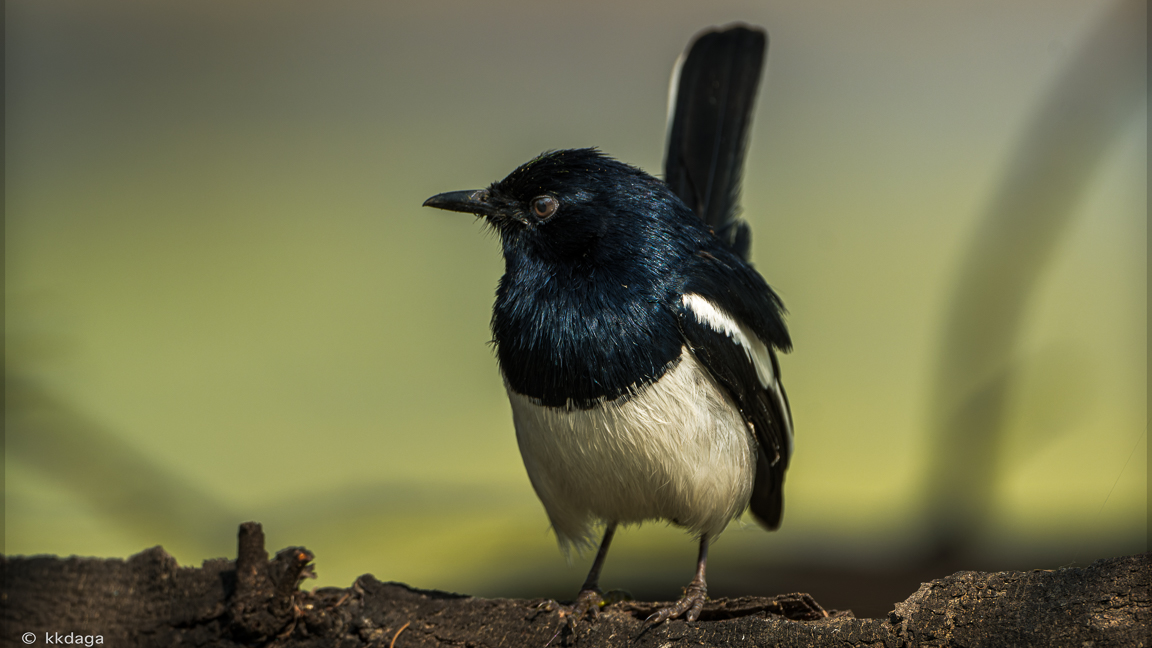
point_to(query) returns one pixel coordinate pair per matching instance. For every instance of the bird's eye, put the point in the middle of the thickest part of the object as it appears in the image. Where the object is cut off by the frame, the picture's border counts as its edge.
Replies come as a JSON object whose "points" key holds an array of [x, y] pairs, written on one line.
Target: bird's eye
{"points": [[544, 206]]}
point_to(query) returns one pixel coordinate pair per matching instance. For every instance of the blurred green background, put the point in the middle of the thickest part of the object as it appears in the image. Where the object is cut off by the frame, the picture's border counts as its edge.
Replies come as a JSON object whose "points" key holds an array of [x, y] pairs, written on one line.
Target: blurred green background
{"points": [[224, 301]]}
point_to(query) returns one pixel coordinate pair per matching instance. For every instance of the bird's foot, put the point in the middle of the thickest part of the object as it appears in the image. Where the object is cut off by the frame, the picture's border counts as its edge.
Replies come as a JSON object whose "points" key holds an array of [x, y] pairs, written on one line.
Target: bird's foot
{"points": [[588, 603], [691, 604]]}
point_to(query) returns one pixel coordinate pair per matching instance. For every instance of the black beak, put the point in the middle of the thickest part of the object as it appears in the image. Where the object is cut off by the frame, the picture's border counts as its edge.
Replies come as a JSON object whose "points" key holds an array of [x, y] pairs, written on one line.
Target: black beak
{"points": [[469, 202]]}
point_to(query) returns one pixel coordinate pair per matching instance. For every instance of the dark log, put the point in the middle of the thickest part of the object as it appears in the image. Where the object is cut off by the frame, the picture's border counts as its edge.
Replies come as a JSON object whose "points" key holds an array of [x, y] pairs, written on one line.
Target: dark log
{"points": [[149, 600]]}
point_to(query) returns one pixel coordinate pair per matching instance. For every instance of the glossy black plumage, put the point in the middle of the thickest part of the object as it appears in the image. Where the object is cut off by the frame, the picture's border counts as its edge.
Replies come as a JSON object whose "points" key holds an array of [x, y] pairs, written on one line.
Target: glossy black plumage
{"points": [[708, 132], [621, 290], [589, 305]]}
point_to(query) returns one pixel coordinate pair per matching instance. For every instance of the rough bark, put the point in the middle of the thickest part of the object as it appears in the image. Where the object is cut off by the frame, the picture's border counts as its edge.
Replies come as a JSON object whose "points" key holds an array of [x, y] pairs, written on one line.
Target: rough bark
{"points": [[149, 600]]}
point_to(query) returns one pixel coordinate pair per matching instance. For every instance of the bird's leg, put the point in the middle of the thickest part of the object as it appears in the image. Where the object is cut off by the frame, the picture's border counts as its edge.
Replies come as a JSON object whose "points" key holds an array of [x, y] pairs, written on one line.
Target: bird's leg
{"points": [[589, 599], [694, 595]]}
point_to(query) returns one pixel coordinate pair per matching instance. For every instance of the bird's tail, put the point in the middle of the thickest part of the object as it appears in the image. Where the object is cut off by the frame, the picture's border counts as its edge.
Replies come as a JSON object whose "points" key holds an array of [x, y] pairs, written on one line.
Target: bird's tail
{"points": [[710, 106]]}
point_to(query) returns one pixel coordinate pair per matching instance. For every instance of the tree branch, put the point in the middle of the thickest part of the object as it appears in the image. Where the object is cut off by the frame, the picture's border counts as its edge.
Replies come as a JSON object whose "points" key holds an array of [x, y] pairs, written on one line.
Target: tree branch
{"points": [[149, 600]]}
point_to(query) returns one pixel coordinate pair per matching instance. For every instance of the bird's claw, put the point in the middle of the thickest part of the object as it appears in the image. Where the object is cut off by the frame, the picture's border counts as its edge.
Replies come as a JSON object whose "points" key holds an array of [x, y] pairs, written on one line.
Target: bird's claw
{"points": [[588, 603], [691, 603]]}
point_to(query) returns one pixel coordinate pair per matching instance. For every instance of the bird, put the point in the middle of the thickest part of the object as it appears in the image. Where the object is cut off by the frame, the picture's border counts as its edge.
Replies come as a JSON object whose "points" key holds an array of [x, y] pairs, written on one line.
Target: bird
{"points": [[637, 344]]}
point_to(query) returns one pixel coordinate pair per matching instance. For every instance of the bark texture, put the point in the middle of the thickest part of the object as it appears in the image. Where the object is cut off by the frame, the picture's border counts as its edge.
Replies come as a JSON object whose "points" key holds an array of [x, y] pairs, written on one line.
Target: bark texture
{"points": [[149, 600]]}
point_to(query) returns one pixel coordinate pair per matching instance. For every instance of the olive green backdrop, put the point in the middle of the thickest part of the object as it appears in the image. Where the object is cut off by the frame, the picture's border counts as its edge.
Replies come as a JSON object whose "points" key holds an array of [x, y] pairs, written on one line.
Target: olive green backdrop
{"points": [[224, 301]]}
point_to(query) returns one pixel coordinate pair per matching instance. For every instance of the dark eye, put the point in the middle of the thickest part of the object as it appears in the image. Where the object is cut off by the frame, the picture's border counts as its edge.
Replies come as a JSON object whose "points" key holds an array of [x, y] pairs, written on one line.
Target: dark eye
{"points": [[544, 206]]}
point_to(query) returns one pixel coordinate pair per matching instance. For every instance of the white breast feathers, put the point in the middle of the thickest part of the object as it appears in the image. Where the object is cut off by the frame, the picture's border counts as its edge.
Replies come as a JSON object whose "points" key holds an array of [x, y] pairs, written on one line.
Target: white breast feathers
{"points": [[677, 450]]}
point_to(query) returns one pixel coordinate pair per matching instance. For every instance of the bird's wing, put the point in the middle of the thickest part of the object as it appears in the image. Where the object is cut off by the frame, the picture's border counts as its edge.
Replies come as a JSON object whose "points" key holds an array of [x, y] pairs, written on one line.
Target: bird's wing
{"points": [[710, 105], [746, 367]]}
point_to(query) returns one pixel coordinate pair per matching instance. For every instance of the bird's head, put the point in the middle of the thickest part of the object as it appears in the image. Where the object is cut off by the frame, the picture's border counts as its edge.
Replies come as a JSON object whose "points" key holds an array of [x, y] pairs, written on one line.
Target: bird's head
{"points": [[569, 204]]}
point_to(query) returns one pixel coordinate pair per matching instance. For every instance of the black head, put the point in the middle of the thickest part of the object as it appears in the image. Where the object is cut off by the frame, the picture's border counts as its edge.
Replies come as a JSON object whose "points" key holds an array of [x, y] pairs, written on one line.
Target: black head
{"points": [[571, 204]]}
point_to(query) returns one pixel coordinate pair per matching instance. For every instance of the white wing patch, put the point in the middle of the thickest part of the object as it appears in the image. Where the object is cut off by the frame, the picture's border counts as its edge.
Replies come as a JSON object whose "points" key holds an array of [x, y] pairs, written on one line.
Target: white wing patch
{"points": [[754, 349], [722, 322]]}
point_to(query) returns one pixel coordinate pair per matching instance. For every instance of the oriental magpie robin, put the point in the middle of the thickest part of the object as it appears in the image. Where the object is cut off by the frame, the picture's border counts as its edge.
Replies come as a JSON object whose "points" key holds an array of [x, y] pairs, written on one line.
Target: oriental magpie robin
{"points": [[637, 344]]}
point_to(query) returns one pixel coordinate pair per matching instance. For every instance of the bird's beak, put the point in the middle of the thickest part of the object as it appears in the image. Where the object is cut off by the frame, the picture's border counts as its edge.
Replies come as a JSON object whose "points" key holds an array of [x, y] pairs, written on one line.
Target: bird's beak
{"points": [[469, 202]]}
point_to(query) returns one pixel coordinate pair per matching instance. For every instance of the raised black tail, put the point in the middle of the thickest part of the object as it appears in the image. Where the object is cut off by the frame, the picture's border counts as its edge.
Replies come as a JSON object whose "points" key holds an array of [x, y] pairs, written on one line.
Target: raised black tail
{"points": [[711, 101]]}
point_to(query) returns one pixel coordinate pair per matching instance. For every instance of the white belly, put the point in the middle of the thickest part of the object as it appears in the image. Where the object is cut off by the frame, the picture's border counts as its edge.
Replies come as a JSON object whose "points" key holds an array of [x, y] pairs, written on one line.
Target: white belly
{"points": [[678, 450]]}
